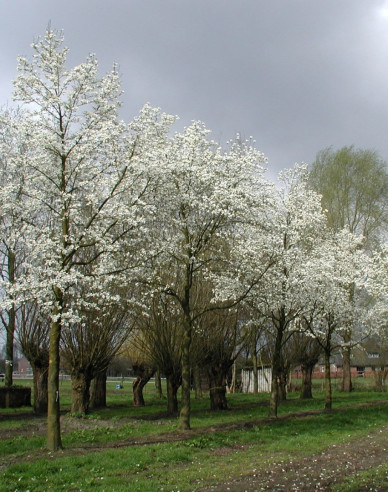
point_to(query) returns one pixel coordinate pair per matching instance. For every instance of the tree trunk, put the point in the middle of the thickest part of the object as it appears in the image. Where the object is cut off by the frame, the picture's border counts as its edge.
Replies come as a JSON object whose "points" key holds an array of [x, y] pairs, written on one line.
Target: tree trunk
{"points": [[283, 381], [276, 372], [328, 397], [307, 374], [347, 385], [80, 396], [184, 417], [380, 375], [54, 442], [144, 373], [98, 391], [158, 384], [217, 383], [40, 376], [274, 399], [138, 385], [172, 398], [10, 328], [233, 383], [197, 383], [255, 371]]}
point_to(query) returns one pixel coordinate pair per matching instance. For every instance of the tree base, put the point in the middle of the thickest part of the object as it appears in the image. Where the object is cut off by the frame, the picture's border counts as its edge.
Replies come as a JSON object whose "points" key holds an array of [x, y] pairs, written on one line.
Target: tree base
{"points": [[15, 397]]}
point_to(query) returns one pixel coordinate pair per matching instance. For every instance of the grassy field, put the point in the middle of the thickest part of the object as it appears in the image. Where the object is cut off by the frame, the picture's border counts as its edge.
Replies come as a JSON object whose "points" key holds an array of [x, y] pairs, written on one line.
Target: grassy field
{"points": [[122, 448]]}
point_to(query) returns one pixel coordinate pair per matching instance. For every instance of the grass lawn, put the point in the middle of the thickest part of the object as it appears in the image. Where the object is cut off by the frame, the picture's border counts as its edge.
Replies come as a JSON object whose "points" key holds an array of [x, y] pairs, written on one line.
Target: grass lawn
{"points": [[123, 448]]}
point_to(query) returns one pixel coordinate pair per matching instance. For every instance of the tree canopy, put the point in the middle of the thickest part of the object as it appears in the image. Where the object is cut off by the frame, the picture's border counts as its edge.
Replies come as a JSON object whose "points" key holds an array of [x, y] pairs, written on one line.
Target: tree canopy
{"points": [[354, 188]]}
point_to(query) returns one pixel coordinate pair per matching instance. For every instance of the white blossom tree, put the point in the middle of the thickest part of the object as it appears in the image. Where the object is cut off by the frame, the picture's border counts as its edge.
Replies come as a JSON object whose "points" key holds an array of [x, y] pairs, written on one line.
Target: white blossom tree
{"points": [[295, 223], [206, 195], [353, 184], [12, 243], [336, 272], [87, 179]]}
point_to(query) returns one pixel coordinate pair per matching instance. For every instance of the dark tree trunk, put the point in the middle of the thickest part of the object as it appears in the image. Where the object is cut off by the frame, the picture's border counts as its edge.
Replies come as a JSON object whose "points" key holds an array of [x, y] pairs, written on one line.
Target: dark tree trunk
{"points": [[274, 396], [158, 384], [40, 376], [347, 385], [9, 346], [217, 383], [197, 383], [255, 371], [138, 397], [10, 328], [380, 375], [184, 416], [307, 375], [80, 396], [328, 397], [98, 391], [283, 381], [276, 371], [233, 384], [172, 398], [54, 441], [143, 374]]}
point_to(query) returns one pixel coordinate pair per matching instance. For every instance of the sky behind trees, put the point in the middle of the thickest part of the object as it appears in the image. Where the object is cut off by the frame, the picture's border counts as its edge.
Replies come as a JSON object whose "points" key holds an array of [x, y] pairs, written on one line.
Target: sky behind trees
{"points": [[296, 75]]}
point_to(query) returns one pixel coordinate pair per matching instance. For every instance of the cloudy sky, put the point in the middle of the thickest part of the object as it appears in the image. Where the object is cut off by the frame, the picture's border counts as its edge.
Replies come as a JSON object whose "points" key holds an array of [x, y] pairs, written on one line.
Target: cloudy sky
{"points": [[297, 75]]}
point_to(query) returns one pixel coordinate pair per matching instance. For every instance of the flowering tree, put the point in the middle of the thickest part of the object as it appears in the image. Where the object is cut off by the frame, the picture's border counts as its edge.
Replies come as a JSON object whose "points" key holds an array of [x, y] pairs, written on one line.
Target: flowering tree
{"points": [[353, 184], [377, 287], [295, 223], [13, 153], [334, 269], [86, 179], [205, 196]]}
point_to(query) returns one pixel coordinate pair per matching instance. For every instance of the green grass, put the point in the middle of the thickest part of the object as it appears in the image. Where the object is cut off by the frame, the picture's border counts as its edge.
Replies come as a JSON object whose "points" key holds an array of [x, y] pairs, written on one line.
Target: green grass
{"points": [[375, 478], [100, 453]]}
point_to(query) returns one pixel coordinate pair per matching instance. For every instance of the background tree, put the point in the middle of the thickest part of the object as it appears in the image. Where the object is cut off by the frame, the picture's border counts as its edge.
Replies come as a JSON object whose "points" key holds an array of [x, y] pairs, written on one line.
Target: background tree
{"points": [[253, 328], [306, 352], [377, 286], [354, 188], [12, 244], [33, 335], [216, 338], [88, 347], [142, 364], [160, 339]]}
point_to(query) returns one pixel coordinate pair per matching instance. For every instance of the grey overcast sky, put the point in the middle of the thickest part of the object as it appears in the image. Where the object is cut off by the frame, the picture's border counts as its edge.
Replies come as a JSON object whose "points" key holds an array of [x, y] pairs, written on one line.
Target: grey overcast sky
{"points": [[297, 75]]}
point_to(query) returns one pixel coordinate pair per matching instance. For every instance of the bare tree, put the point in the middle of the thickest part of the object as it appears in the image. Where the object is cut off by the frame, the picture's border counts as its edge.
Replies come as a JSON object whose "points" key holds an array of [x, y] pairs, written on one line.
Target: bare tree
{"points": [[33, 334], [161, 342], [89, 346], [306, 352]]}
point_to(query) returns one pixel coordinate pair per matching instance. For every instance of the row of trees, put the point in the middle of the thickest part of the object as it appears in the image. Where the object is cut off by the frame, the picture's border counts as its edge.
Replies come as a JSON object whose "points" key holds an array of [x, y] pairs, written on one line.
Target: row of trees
{"points": [[118, 232]]}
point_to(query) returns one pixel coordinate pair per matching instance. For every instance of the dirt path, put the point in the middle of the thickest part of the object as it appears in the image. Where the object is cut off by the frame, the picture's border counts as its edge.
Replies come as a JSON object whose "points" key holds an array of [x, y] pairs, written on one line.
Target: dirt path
{"points": [[317, 472]]}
